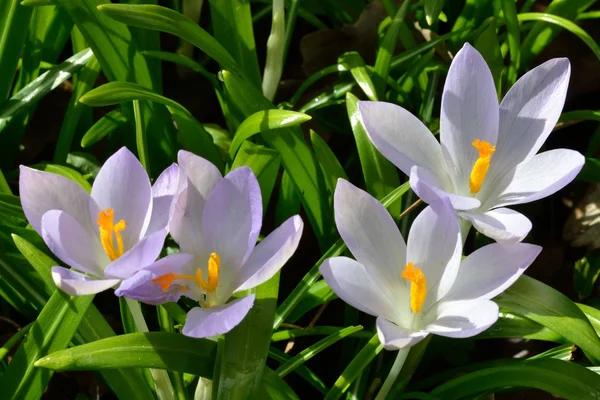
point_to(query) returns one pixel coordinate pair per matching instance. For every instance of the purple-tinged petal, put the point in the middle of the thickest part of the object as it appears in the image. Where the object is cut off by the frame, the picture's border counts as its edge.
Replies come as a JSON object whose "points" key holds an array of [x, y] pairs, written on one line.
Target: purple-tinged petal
{"points": [[500, 224], [202, 174], [492, 269], [469, 111], [163, 192], [369, 232], [392, 337], [142, 254], [123, 185], [67, 239], [461, 319], [43, 191], [185, 224], [435, 246], [76, 284], [528, 114], [270, 255], [429, 189], [140, 286], [228, 225], [356, 285], [245, 181], [217, 320], [401, 137], [538, 177]]}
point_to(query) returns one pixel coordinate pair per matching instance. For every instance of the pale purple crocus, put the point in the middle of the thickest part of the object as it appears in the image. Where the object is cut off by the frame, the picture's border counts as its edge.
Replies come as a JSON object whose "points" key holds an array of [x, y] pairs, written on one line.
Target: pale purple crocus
{"points": [[487, 155], [107, 235], [217, 220], [421, 287]]}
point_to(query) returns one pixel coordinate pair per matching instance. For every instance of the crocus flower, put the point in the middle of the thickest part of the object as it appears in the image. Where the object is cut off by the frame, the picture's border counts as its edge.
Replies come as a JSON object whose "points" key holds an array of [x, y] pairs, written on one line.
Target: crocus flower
{"points": [[108, 235], [421, 287], [486, 158], [217, 220]]}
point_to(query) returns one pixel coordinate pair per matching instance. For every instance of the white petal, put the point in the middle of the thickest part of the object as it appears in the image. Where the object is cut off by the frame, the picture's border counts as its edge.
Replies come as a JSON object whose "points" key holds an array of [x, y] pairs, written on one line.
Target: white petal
{"points": [[185, 224], [529, 112], [123, 185], [76, 284], [538, 177], [43, 191], [401, 137], [67, 239], [500, 224], [394, 338], [435, 246], [163, 192], [270, 255], [490, 270], [202, 174], [217, 320], [355, 284], [469, 111], [461, 319], [141, 255], [369, 232], [429, 189]]}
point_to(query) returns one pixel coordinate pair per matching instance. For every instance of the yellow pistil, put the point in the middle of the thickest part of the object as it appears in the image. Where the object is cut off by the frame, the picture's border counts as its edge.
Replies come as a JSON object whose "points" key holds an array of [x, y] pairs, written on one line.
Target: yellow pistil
{"points": [[418, 286], [107, 229], [481, 166], [214, 264]]}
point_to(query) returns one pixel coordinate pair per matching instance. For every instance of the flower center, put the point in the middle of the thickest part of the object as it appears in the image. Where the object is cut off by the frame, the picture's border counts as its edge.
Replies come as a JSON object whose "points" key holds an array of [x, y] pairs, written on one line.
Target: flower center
{"points": [[109, 232], [214, 264], [481, 166], [418, 286]]}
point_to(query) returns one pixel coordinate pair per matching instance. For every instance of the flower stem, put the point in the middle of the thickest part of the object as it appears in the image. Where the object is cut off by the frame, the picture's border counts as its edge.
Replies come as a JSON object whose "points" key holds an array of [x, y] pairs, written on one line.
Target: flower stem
{"points": [[393, 375], [161, 378], [275, 51]]}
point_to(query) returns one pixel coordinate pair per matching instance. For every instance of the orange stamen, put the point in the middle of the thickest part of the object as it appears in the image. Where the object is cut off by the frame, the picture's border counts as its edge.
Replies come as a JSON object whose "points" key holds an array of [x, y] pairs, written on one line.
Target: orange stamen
{"points": [[107, 229], [418, 286], [482, 164]]}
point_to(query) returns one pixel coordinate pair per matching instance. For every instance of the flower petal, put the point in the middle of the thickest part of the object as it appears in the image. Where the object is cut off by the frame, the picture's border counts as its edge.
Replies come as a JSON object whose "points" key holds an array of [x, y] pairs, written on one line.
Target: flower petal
{"points": [[394, 338], [270, 255], [43, 191], [461, 319], [401, 137], [428, 188], [492, 269], [123, 185], [500, 224], [163, 192], [435, 246], [217, 320], [469, 111], [228, 223], [67, 239], [538, 177], [355, 284], [185, 223], [202, 174], [76, 284], [370, 232], [142, 254], [529, 112], [140, 286]]}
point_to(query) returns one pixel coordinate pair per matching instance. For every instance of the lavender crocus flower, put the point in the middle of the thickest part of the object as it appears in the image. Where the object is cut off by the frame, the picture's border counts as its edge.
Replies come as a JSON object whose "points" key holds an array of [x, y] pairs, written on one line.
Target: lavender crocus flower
{"points": [[421, 287], [217, 220], [487, 156], [108, 235]]}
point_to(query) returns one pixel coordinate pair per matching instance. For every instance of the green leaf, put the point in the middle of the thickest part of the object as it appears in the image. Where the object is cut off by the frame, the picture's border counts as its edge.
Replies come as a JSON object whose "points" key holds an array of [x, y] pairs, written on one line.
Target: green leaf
{"points": [[433, 8], [264, 121], [103, 127], [585, 274], [353, 62], [38, 260], [303, 371], [565, 379], [66, 172], [51, 331], [318, 294], [509, 8], [552, 309], [487, 44], [330, 165], [14, 340], [13, 19], [381, 176], [511, 325], [193, 136], [296, 157], [358, 363], [166, 20], [265, 164]]}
